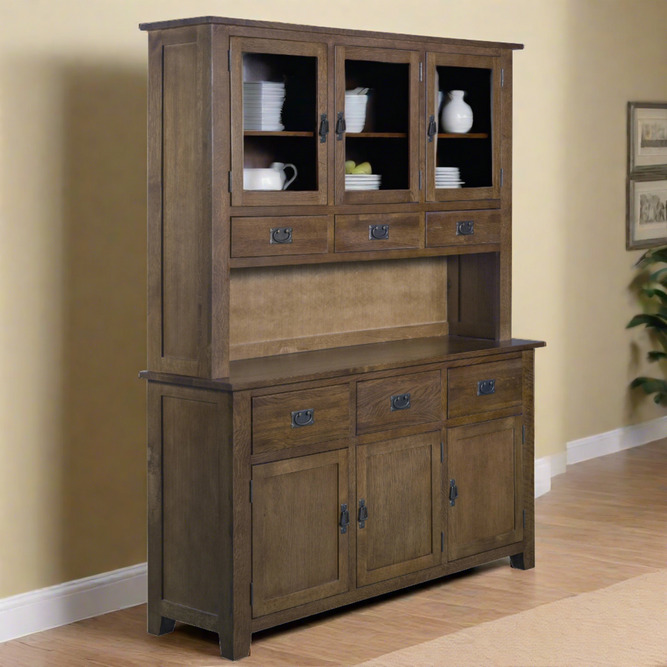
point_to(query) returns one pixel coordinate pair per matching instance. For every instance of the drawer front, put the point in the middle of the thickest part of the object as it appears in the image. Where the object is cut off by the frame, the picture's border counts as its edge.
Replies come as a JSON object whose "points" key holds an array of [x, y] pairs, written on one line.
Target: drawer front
{"points": [[403, 400], [392, 231], [300, 418], [289, 235], [484, 387], [462, 228]]}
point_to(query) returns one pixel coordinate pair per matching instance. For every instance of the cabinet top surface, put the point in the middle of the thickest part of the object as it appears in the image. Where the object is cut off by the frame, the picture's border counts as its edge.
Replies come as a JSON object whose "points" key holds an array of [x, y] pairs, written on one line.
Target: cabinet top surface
{"points": [[343, 361], [203, 20]]}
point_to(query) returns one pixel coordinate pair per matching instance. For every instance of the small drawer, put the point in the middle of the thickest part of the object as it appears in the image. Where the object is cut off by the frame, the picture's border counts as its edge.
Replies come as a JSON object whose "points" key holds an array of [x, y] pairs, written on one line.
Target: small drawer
{"points": [[484, 387], [462, 228], [398, 401], [300, 418], [392, 231], [289, 235]]}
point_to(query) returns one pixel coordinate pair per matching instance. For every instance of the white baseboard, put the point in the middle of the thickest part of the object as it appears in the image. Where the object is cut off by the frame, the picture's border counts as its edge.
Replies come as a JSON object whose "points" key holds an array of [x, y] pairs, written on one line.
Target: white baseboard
{"points": [[617, 440], [546, 468], [51, 607]]}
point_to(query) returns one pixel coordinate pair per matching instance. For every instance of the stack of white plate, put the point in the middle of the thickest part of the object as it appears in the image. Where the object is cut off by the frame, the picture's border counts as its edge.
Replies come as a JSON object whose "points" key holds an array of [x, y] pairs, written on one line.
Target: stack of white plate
{"points": [[362, 181], [355, 111], [448, 177], [262, 105]]}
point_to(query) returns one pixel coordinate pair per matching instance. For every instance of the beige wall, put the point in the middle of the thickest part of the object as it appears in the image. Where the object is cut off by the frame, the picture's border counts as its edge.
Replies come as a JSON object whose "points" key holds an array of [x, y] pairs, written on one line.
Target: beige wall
{"points": [[72, 241]]}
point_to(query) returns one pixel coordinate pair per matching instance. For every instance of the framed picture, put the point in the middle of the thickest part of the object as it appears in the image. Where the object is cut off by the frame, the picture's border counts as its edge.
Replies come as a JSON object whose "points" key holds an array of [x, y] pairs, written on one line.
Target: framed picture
{"points": [[647, 136], [647, 211]]}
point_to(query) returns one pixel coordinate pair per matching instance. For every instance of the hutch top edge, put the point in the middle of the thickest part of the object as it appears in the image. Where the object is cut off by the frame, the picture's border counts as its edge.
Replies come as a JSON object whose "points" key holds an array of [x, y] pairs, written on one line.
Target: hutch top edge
{"points": [[203, 20]]}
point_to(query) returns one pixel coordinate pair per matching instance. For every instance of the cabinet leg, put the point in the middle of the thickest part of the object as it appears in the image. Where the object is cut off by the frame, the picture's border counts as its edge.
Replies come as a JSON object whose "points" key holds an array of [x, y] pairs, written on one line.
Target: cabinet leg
{"points": [[159, 625], [523, 561], [234, 650]]}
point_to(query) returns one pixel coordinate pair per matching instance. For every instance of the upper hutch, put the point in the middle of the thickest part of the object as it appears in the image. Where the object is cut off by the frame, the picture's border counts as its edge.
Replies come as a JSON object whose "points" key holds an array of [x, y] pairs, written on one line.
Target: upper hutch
{"points": [[337, 408]]}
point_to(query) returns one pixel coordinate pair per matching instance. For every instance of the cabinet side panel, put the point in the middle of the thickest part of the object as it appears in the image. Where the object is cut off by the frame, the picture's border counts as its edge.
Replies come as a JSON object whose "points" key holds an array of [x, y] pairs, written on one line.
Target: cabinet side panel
{"points": [[473, 295], [191, 449], [179, 203]]}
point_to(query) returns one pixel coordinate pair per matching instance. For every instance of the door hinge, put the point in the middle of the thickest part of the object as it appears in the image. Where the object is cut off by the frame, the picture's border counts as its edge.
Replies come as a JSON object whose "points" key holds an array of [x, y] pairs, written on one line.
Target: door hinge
{"points": [[442, 541], [502, 176], [524, 518], [250, 490], [523, 434], [502, 78], [442, 451], [229, 60], [251, 594], [421, 71], [230, 181], [420, 179]]}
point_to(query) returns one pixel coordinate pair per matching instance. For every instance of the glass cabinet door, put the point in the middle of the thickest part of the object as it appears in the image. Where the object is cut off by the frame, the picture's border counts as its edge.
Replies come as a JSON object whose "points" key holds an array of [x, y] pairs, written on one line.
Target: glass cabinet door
{"points": [[279, 123], [462, 127], [376, 125]]}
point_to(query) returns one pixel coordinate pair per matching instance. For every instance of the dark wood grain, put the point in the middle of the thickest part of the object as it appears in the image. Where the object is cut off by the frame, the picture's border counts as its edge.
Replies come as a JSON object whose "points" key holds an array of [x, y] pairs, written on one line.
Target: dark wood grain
{"points": [[374, 401], [399, 481], [251, 237], [299, 551], [485, 462], [272, 417], [442, 228], [463, 387], [352, 232]]}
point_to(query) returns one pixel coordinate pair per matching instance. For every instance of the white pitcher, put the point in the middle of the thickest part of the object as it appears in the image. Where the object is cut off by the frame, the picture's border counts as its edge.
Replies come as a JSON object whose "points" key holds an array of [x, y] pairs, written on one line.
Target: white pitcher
{"points": [[456, 114], [273, 178]]}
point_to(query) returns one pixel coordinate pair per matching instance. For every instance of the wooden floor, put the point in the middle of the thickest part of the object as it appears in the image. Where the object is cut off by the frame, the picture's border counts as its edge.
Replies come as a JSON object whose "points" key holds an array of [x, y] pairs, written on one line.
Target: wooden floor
{"points": [[604, 521]]}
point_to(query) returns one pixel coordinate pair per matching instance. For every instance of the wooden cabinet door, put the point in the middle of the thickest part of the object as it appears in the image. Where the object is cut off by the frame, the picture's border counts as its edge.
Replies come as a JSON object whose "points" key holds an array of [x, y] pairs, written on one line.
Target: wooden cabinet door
{"points": [[299, 552], [484, 486], [463, 165], [279, 115], [384, 131], [399, 486]]}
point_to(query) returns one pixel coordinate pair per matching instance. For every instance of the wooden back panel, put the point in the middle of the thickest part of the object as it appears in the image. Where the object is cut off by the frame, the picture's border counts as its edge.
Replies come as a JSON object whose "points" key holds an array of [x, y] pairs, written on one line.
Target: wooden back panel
{"points": [[299, 308]]}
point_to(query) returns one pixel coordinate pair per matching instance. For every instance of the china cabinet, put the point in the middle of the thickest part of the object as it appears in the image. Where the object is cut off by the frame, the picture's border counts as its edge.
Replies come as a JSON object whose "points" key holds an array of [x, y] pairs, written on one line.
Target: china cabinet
{"points": [[336, 407]]}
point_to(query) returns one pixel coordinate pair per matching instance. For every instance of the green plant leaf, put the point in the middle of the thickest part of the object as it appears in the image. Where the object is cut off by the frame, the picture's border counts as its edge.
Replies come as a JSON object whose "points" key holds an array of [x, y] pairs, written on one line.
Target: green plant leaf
{"points": [[656, 355], [652, 321], [656, 276], [650, 385]]}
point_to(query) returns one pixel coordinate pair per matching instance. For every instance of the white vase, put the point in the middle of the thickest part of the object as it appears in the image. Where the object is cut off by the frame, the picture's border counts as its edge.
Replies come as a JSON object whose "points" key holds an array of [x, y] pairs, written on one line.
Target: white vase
{"points": [[456, 114]]}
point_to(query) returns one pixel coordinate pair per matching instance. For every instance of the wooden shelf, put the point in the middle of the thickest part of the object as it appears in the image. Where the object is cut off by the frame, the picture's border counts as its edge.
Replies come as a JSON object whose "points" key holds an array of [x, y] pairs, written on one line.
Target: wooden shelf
{"points": [[277, 133], [377, 135], [469, 135]]}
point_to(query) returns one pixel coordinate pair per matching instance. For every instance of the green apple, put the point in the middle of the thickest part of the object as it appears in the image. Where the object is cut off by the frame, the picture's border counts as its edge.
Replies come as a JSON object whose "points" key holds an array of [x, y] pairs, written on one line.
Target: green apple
{"points": [[349, 166], [363, 168]]}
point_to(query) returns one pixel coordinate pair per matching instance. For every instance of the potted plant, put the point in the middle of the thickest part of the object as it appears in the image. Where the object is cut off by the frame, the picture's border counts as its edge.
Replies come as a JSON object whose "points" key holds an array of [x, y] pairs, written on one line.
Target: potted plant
{"points": [[652, 285]]}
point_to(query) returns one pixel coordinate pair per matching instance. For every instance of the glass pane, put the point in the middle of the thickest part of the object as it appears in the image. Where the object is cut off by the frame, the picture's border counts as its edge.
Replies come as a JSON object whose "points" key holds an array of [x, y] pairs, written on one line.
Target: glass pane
{"points": [[377, 106], [279, 122], [464, 155]]}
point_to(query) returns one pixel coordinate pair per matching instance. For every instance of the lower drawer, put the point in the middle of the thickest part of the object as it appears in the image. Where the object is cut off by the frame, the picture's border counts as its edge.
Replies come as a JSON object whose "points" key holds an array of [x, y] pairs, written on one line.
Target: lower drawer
{"points": [[403, 400], [391, 231], [300, 418], [289, 235], [462, 228], [484, 387]]}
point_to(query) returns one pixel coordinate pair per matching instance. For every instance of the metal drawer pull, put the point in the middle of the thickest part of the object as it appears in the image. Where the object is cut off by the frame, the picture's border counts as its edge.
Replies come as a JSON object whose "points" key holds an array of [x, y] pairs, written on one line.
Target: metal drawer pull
{"points": [[486, 387], [281, 235], [363, 513], [400, 402], [378, 232], [465, 227], [344, 519], [303, 418], [453, 492]]}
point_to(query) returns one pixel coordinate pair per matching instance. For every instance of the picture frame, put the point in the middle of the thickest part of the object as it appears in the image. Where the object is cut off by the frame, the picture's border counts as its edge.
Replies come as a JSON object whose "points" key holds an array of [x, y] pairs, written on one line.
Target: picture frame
{"points": [[647, 136], [646, 211]]}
